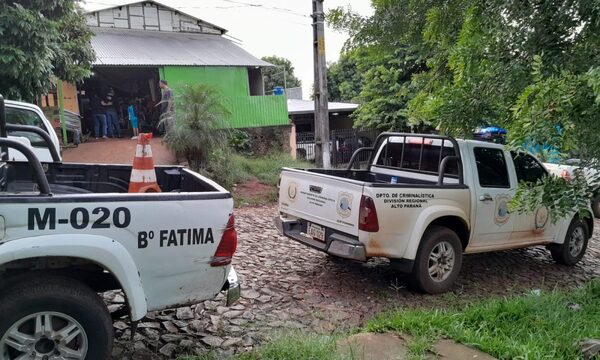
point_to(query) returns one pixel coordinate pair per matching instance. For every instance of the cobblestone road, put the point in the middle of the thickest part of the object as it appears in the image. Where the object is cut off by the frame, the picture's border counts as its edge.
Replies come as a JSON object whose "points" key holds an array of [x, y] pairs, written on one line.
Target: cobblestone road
{"points": [[289, 286]]}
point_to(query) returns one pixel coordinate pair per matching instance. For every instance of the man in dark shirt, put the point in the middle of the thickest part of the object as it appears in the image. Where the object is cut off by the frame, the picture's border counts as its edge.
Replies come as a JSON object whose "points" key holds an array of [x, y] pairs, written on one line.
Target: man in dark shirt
{"points": [[166, 104], [99, 116], [112, 118]]}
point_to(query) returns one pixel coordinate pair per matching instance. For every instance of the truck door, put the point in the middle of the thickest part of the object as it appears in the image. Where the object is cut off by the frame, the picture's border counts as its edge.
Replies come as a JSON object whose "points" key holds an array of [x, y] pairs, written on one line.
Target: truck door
{"points": [[534, 227], [493, 224]]}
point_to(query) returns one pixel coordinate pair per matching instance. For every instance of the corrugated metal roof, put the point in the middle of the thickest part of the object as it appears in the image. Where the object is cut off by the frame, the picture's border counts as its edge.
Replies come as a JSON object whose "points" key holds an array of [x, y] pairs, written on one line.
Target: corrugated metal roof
{"points": [[296, 106], [126, 47]]}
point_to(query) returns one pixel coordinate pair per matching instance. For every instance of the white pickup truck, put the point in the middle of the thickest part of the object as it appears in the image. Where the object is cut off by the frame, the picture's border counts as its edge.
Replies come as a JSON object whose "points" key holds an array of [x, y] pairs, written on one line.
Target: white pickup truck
{"points": [[69, 231], [423, 202], [21, 113]]}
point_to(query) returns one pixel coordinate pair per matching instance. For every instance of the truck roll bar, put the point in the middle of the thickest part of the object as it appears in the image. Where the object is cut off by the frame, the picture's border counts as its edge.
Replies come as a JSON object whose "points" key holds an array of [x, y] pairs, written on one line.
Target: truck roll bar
{"points": [[42, 181], [355, 155], [37, 131]]}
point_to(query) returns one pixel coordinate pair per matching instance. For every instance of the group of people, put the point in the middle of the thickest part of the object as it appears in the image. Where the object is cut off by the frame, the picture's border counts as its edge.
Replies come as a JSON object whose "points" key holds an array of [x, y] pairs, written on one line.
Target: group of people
{"points": [[106, 119], [104, 113]]}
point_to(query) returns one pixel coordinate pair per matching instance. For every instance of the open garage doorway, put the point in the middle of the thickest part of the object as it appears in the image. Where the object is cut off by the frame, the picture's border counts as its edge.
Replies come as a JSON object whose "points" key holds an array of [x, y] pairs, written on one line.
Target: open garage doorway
{"points": [[137, 86]]}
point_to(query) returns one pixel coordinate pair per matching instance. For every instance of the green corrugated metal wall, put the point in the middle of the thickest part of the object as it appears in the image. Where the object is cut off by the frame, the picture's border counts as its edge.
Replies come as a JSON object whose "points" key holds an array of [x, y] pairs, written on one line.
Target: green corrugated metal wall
{"points": [[232, 82]]}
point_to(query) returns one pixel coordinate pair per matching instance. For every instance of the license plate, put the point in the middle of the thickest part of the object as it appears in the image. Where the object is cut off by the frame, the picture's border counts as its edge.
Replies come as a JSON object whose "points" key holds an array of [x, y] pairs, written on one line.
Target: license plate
{"points": [[315, 231]]}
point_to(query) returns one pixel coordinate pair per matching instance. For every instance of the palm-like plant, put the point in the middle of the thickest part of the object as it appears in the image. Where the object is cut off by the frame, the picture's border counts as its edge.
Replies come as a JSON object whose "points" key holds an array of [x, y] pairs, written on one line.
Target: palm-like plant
{"points": [[198, 126]]}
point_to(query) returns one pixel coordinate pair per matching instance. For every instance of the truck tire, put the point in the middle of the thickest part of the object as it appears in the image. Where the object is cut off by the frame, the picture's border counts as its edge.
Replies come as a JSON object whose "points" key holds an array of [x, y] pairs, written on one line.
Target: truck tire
{"points": [[438, 260], [596, 206], [574, 246], [74, 321]]}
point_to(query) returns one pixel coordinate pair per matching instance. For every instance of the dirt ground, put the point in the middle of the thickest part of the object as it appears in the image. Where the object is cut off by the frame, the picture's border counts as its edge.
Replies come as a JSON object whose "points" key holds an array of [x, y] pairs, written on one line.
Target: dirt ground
{"points": [[116, 151]]}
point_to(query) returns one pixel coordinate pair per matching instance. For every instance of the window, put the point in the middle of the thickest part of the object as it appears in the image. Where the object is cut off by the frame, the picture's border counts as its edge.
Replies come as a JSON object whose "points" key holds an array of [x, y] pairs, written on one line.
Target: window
{"points": [[18, 116], [426, 161], [527, 167], [491, 168]]}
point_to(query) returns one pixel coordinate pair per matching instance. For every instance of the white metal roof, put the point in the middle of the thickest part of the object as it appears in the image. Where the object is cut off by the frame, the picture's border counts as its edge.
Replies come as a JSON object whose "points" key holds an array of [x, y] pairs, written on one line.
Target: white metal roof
{"points": [[126, 47], [296, 106]]}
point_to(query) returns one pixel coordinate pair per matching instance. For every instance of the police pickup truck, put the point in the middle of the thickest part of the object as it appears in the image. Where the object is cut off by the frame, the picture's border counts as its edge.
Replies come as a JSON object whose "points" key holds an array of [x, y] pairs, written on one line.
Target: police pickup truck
{"points": [[423, 202], [70, 231]]}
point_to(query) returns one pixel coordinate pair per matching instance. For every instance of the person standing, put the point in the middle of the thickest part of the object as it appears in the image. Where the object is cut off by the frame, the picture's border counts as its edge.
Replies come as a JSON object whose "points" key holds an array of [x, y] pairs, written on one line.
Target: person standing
{"points": [[166, 104], [99, 116], [133, 119], [112, 119]]}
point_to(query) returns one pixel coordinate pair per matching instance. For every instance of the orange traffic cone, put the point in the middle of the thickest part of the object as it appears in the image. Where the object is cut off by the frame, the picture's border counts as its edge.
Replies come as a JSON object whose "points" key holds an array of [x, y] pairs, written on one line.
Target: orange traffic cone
{"points": [[143, 176]]}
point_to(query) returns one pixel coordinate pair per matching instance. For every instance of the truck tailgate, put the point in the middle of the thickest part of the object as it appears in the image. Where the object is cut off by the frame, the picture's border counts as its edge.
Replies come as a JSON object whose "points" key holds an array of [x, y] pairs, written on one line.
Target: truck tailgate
{"points": [[321, 199]]}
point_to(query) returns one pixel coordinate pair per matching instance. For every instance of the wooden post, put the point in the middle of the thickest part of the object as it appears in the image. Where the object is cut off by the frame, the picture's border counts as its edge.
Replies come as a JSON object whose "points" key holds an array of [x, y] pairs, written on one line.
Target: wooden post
{"points": [[322, 148], [61, 110]]}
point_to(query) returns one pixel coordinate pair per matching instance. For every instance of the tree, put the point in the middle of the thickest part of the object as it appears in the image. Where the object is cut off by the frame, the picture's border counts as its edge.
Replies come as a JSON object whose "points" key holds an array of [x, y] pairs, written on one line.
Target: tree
{"points": [[274, 76], [529, 66], [41, 40], [344, 81]]}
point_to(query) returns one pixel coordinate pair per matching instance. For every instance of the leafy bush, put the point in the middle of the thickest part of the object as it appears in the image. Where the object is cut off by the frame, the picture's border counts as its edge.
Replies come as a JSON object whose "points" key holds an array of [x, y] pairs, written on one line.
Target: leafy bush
{"points": [[197, 129], [239, 140]]}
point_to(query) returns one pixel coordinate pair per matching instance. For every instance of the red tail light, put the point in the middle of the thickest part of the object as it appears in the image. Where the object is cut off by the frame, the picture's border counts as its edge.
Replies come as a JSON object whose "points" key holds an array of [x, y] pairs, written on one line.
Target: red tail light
{"points": [[227, 245], [367, 216], [565, 174]]}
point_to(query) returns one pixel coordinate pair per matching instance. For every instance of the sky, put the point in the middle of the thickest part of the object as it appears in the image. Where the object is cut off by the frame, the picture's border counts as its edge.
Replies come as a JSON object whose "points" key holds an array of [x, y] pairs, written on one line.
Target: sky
{"points": [[267, 27]]}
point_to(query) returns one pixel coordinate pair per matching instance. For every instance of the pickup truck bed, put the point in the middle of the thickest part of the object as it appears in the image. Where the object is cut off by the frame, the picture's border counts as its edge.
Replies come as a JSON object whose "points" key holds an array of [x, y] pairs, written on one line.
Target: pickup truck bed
{"points": [[103, 179]]}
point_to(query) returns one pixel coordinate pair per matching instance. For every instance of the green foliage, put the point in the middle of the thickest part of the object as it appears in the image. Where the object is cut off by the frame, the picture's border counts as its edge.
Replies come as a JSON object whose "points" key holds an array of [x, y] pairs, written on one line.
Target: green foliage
{"points": [[228, 168], [460, 64], [267, 169], [273, 76], [344, 80], [239, 140], [197, 129], [41, 40], [560, 196], [545, 326]]}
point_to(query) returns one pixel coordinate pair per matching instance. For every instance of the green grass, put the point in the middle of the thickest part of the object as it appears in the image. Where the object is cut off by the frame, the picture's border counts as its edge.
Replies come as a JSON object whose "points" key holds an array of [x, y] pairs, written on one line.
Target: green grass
{"points": [[267, 168], [542, 326], [237, 169], [294, 345]]}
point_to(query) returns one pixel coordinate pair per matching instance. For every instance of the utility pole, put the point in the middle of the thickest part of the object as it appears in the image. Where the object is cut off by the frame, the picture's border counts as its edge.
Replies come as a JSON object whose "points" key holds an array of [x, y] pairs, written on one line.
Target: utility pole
{"points": [[322, 149]]}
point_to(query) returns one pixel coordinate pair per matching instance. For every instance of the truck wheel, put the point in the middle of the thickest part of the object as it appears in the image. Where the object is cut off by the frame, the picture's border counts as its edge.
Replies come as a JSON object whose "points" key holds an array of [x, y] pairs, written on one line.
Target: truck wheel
{"points": [[51, 317], [573, 249], [438, 260], [596, 206]]}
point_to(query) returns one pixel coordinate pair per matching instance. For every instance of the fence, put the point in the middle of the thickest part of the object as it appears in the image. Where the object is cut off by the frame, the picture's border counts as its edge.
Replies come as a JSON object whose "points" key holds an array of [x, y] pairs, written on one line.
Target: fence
{"points": [[343, 144]]}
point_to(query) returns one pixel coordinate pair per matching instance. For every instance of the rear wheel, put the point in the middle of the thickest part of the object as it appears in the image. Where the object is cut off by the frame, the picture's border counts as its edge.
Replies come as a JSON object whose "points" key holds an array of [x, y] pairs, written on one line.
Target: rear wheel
{"points": [[574, 246], [438, 261], [53, 318]]}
